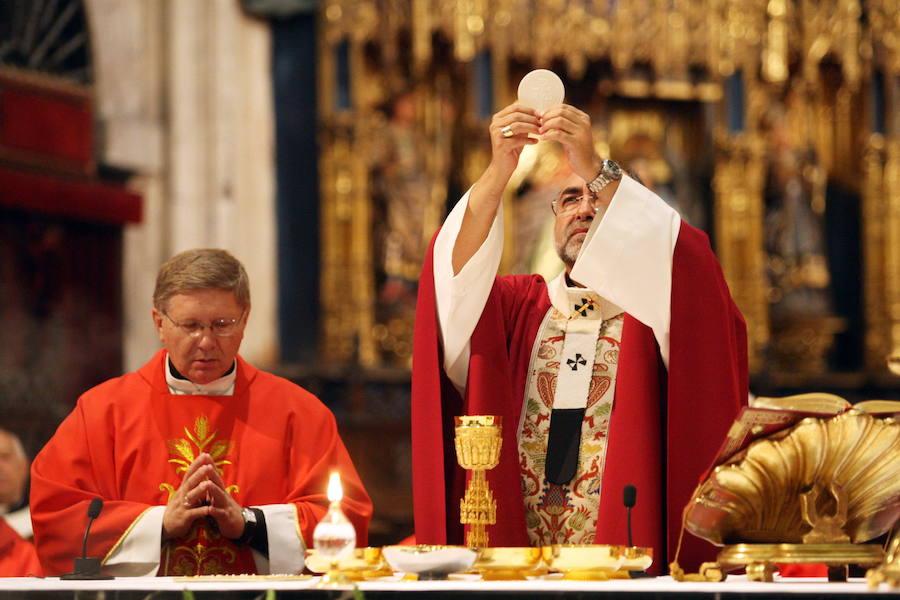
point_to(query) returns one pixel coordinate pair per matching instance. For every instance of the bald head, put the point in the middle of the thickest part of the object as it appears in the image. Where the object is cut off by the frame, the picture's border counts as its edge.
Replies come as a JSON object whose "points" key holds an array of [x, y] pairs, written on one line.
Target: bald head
{"points": [[13, 468]]}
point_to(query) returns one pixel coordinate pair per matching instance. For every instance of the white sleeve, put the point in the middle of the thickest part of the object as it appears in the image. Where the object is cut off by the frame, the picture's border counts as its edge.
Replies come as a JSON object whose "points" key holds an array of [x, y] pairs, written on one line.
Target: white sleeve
{"points": [[461, 298], [627, 257], [286, 547], [138, 552]]}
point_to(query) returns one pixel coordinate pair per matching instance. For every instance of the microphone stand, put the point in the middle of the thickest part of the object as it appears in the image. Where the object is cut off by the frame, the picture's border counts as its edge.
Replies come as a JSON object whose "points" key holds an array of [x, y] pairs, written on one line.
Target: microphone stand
{"points": [[88, 568], [629, 499]]}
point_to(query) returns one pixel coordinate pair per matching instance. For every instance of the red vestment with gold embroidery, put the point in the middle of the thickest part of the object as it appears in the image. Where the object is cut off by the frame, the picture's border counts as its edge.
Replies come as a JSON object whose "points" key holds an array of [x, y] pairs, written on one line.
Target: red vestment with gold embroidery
{"points": [[664, 430], [129, 440]]}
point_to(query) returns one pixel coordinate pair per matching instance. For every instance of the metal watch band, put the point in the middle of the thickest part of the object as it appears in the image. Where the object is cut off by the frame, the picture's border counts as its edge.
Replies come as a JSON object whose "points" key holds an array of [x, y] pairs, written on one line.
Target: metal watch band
{"points": [[609, 172]]}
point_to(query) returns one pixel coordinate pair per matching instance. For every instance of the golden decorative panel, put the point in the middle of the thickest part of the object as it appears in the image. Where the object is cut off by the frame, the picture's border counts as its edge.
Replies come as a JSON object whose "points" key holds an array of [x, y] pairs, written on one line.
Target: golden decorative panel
{"points": [[406, 88]]}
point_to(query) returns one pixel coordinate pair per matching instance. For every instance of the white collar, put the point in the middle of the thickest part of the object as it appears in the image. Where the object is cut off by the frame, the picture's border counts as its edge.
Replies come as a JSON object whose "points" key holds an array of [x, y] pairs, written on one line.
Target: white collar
{"points": [[223, 386], [565, 298]]}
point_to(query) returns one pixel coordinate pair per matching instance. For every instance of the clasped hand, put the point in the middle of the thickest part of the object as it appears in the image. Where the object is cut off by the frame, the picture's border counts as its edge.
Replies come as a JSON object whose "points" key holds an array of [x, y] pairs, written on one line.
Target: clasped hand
{"points": [[202, 493]]}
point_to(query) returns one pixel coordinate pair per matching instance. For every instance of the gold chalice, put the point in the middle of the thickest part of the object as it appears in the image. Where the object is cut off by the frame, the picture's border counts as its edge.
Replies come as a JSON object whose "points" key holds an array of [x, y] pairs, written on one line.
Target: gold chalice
{"points": [[478, 440]]}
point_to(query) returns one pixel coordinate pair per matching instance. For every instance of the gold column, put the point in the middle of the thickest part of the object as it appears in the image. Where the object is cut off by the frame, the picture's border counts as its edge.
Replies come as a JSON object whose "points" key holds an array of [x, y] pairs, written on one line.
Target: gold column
{"points": [[892, 246], [738, 189], [774, 64], [881, 251], [335, 188], [346, 280]]}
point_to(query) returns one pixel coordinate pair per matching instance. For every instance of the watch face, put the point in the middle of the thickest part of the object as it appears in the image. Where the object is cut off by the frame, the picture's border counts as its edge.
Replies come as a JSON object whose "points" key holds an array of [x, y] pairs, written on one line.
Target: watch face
{"points": [[612, 169]]}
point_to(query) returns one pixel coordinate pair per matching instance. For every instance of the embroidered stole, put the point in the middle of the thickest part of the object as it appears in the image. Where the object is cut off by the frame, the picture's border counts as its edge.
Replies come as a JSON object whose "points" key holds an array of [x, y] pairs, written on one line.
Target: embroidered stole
{"points": [[563, 433]]}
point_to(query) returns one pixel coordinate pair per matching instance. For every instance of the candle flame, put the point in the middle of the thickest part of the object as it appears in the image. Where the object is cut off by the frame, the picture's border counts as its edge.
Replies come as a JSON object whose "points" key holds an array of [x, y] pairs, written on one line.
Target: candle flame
{"points": [[335, 491]]}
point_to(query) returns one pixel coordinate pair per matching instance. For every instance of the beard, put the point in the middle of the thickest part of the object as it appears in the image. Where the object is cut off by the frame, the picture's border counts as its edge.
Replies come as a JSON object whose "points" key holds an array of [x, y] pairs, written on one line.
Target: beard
{"points": [[568, 248]]}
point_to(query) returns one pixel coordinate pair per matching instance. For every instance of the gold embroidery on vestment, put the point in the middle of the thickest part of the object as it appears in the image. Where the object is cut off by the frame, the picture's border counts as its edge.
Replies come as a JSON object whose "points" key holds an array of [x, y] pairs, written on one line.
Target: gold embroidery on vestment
{"points": [[189, 555]]}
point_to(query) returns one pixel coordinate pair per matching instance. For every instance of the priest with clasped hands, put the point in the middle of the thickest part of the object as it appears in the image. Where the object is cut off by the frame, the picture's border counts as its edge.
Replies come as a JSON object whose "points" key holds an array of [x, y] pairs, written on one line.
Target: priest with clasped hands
{"points": [[626, 369], [206, 465]]}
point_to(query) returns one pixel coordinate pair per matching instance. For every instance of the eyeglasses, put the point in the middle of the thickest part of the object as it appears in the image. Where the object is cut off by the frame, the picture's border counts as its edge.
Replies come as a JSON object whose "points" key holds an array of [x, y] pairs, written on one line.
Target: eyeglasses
{"points": [[568, 203], [218, 327]]}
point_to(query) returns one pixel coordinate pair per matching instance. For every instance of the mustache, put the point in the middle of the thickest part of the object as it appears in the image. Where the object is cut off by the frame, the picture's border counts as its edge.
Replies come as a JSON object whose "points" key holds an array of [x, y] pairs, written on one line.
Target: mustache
{"points": [[580, 223]]}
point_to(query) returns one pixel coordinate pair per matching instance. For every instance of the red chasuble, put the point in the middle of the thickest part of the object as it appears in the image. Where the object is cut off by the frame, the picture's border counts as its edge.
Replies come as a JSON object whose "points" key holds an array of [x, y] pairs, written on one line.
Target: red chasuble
{"points": [[665, 428], [17, 555], [129, 440]]}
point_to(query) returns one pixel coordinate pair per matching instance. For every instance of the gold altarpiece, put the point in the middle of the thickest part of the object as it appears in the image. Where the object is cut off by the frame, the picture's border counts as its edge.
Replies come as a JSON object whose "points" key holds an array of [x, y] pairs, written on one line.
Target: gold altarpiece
{"points": [[407, 87]]}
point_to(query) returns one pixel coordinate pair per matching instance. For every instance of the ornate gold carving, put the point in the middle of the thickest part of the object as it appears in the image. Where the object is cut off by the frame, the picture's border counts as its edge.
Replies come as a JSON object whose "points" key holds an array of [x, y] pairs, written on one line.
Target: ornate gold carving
{"points": [[881, 250], [892, 249], [478, 440], [738, 187], [824, 51], [758, 495], [826, 529]]}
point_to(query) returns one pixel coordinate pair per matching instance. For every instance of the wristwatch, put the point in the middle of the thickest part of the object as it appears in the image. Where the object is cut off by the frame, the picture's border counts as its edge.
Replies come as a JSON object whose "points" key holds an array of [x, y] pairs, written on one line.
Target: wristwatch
{"points": [[609, 172], [250, 524]]}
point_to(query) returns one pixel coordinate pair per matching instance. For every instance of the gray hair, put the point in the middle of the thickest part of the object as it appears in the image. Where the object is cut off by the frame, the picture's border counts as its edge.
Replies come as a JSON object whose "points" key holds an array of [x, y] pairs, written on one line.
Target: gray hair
{"points": [[201, 269]]}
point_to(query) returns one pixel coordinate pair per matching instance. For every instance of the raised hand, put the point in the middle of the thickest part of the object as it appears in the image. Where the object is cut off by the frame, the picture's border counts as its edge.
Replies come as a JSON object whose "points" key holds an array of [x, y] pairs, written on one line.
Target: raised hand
{"points": [[509, 131], [572, 128]]}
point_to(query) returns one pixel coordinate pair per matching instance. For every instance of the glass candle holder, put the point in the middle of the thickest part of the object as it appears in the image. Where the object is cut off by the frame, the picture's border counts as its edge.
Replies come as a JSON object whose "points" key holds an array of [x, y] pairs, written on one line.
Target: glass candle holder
{"points": [[334, 537]]}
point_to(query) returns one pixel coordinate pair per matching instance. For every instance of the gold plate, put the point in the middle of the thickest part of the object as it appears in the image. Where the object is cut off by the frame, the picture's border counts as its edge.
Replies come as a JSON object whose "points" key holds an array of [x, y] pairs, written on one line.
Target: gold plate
{"points": [[637, 558], [508, 563], [359, 564], [584, 561]]}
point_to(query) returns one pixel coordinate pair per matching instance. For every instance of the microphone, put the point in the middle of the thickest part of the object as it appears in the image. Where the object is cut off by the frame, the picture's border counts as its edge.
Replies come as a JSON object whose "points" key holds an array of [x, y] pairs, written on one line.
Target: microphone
{"points": [[88, 568], [629, 498]]}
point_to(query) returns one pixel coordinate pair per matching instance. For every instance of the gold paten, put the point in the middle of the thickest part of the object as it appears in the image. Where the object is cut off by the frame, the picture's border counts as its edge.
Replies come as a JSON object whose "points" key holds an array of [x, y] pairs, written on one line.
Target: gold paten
{"points": [[478, 440], [585, 562], [359, 564], [509, 563]]}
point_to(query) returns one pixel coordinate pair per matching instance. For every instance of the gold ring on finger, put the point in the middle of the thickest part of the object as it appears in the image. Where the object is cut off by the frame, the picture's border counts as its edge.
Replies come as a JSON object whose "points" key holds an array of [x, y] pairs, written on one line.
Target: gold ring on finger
{"points": [[507, 131]]}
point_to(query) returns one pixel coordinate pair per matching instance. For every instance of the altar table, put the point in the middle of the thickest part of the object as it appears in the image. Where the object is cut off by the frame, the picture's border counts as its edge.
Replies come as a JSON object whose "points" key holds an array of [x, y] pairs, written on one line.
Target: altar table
{"points": [[459, 587]]}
